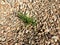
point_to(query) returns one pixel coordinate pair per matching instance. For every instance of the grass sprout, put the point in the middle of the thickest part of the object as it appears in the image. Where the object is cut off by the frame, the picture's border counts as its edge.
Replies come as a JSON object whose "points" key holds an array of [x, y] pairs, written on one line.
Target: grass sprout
{"points": [[25, 19]]}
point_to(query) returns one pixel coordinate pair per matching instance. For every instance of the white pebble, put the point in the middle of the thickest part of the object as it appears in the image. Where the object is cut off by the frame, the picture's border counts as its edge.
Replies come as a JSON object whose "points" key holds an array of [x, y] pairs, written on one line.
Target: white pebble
{"points": [[16, 44], [56, 0], [27, 31], [55, 37], [59, 6], [2, 2]]}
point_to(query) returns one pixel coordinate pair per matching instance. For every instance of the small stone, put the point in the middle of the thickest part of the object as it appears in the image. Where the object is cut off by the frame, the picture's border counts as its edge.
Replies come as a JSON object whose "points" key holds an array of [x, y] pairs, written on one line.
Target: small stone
{"points": [[0, 38], [31, 0], [28, 15], [56, 0], [47, 30], [59, 6], [48, 42], [27, 31], [2, 23], [42, 4], [21, 3], [2, 2], [4, 12], [3, 39], [16, 43], [18, 28], [21, 7], [32, 42], [55, 38], [34, 2], [36, 37], [55, 18], [8, 28]]}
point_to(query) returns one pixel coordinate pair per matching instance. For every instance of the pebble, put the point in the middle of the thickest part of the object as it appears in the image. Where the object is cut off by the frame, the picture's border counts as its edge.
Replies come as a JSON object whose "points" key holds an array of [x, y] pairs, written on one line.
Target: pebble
{"points": [[31, 0], [27, 31], [59, 6], [16, 44], [47, 30], [2, 2], [55, 38], [8, 28], [56, 0], [2, 38]]}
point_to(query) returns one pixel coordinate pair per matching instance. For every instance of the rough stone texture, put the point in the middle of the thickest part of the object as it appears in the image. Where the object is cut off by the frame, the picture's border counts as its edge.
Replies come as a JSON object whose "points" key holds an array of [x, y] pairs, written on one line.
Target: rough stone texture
{"points": [[14, 32]]}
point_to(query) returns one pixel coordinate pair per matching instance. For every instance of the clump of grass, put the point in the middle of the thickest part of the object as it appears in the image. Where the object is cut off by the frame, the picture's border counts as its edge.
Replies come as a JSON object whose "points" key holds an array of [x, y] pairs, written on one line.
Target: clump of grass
{"points": [[25, 19]]}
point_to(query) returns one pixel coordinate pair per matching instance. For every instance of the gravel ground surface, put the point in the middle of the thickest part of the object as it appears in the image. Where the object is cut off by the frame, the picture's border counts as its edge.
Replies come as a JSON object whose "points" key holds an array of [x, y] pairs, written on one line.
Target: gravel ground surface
{"points": [[14, 32]]}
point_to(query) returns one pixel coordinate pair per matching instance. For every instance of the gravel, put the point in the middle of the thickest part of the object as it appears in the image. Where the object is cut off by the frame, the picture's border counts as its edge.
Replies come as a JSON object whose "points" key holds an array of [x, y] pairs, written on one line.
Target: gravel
{"points": [[14, 32]]}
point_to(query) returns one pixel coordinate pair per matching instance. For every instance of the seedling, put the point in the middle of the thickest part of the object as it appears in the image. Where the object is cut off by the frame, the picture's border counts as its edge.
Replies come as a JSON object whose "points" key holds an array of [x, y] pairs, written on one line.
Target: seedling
{"points": [[25, 19]]}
